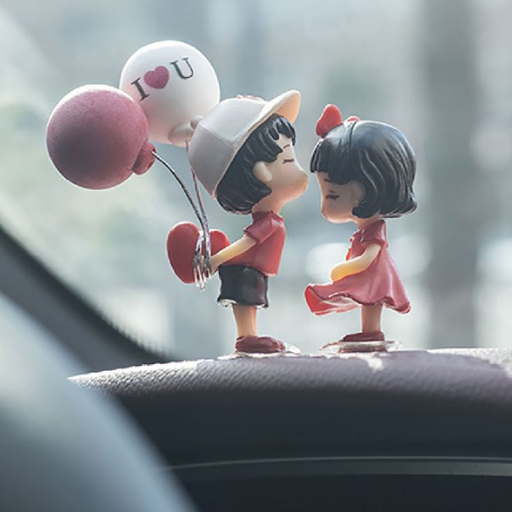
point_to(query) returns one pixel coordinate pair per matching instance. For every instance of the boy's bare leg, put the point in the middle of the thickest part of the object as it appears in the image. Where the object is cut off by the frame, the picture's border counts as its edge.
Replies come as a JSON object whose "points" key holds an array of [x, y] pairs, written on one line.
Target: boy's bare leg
{"points": [[245, 318]]}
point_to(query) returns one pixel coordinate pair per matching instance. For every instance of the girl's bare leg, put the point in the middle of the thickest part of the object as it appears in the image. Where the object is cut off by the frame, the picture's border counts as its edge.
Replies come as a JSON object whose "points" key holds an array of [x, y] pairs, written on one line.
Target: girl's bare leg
{"points": [[370, 318], [245, 318]]}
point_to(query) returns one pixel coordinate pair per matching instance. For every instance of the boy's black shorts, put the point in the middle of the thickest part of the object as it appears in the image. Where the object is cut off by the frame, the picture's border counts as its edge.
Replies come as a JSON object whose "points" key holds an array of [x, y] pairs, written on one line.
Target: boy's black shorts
{"points": [[242, 285]]}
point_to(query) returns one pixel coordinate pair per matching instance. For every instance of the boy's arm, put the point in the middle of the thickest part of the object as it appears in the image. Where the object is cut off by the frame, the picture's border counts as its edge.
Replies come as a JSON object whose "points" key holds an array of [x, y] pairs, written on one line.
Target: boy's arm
{"points": [[356, 265], [231, 251]]}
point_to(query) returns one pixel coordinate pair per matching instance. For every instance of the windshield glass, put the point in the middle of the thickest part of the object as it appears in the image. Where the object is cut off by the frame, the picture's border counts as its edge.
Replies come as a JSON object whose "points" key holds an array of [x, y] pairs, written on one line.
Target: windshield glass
{"points": [[440, 71]]}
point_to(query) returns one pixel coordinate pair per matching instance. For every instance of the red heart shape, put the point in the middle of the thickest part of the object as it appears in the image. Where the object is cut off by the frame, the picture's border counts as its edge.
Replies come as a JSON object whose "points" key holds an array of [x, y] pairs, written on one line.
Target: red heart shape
{"points": [[181, 246], [331, 117], [157, 78]]}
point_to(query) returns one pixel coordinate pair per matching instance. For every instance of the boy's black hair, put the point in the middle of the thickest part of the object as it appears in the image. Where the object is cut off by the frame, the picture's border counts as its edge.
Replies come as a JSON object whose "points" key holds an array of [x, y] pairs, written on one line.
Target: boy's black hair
{"points": [[376, 155], [239, 190]]}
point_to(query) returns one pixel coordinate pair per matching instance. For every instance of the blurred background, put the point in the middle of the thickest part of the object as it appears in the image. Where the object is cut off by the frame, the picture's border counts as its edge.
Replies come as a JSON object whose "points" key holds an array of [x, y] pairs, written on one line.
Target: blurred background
{"points": [[440, 71]]}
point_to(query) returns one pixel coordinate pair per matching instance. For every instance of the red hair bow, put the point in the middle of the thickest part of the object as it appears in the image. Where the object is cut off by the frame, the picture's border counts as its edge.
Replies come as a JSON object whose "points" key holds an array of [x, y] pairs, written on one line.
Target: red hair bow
{"points": [[330, 118]]}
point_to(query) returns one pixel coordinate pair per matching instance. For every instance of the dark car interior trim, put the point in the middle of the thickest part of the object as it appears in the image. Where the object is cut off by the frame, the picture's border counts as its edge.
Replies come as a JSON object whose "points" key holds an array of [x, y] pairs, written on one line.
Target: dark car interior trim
{"points": [[90, 336]]}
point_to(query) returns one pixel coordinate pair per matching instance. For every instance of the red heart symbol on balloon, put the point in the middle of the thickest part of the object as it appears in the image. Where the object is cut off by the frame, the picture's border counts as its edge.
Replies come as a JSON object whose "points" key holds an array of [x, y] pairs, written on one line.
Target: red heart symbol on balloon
{"points": [[181, 246], [157, 78]]}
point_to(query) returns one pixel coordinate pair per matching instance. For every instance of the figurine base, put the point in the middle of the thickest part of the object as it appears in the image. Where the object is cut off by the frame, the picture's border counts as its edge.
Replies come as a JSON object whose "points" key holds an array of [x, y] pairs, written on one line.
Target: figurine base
{"points": [[349, 347], [290, 350]]}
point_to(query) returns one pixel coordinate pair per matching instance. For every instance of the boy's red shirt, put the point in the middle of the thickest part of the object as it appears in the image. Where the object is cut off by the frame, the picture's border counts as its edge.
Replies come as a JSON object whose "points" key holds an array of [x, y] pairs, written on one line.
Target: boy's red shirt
{"points": [[269, 233]]}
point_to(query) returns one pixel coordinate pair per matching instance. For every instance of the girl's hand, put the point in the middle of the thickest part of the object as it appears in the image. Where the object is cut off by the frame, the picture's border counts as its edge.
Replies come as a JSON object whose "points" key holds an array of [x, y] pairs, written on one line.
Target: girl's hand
{"points": [[356, 265], [340, 271]]}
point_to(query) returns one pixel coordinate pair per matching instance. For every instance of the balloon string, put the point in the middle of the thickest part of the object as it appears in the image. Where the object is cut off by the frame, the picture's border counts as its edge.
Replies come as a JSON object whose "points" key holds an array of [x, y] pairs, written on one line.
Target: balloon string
{"points": [[206, 230], [201, 265], [183, 187], [198, 194]]}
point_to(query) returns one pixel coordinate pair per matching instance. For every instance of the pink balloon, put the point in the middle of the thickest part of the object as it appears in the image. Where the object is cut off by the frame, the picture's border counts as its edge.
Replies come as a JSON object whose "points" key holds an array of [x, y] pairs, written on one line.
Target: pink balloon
{"points": [[97, 137]]}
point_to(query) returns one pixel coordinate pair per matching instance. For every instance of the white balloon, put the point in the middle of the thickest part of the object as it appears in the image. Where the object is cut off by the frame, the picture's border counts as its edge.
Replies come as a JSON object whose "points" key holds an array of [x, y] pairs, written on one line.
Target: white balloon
{"points": [[174, 83]]}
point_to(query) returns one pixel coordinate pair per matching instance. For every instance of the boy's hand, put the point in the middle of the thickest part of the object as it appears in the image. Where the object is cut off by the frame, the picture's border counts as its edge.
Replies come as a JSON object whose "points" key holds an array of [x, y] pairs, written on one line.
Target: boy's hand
{"points": [[215, 263]]}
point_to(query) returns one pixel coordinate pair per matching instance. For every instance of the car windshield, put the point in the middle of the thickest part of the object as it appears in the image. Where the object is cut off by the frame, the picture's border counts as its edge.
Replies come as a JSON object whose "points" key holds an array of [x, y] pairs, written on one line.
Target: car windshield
{"points": [[440, 71]]}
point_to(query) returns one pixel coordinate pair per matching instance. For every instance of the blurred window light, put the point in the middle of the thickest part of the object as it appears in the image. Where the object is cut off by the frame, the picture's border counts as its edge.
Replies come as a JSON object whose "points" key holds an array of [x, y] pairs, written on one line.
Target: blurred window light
{"points": [[495, 260], [321, 259], [411, 253]]}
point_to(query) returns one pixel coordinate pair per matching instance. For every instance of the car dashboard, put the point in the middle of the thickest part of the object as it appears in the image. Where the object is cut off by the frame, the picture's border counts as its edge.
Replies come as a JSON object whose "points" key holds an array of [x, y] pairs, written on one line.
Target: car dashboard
{"points": [[410, 430]]}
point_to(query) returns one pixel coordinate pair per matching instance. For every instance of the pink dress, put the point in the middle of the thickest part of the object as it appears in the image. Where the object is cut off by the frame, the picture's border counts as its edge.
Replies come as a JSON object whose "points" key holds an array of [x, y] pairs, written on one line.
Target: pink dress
{"points": [[378, 284]]}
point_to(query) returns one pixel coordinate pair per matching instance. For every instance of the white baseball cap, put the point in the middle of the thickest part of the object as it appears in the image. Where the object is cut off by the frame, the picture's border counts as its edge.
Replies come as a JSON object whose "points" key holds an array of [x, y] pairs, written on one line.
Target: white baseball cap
{"points": [[220, 134]]}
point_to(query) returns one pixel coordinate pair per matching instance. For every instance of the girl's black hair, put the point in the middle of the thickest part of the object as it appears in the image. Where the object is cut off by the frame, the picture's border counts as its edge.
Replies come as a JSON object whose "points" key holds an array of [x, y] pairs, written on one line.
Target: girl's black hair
{"points": [[239, 190], [376, 155]]}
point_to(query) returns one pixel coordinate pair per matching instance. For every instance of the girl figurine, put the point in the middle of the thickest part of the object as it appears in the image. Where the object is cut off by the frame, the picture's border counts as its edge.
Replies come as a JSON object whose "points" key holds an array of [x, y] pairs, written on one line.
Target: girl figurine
{"points": [[365, 170]]}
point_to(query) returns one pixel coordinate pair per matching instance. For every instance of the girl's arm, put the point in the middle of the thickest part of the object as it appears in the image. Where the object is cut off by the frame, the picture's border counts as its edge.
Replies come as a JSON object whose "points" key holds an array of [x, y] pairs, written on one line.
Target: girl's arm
{"points": [[356, 265], [231, 251]]}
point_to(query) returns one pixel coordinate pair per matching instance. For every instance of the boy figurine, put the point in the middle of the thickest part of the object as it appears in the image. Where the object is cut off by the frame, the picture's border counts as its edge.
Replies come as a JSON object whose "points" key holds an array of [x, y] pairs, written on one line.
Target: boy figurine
{"points": [[242, 152]]}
